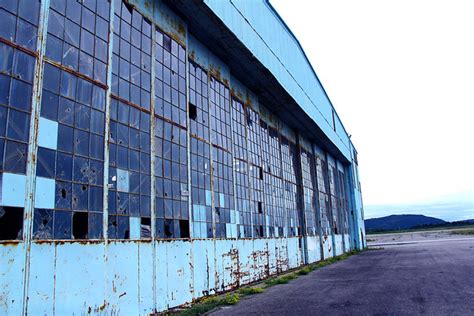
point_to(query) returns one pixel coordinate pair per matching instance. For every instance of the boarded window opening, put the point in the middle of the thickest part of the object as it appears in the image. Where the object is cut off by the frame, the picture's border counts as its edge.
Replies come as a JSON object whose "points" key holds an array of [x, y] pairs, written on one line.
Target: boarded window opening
{"points": [[184, 228], [11, 223], [192, 112], [80, 225]]}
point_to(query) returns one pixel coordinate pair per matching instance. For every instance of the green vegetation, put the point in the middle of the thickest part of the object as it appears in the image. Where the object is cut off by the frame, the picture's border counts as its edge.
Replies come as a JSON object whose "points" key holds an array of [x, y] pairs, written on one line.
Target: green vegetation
{"points": [[463, 232], [231, 299], [250, 290], [209, 303], [280, 280], [204, 306], [418, 229]]}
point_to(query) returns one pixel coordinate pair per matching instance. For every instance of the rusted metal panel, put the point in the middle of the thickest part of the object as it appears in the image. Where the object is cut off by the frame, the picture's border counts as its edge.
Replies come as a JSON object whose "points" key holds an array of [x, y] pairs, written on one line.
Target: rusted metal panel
{"points": [[42, 278], [327, 245], [260, 254], [79, 282], [281, 255], [314, 249], [161, 278], [338, 242], [347, 243], [145, 278], [272, 256], [242, 93], [295, 255], [203, 268], [11, 277], [245, 260], [179, 272], [123, 277], [227, 265]]}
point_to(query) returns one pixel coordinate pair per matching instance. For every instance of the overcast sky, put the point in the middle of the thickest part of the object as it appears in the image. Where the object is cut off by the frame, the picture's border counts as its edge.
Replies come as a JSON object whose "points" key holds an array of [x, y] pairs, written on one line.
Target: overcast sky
{"points": [[401, 76]]}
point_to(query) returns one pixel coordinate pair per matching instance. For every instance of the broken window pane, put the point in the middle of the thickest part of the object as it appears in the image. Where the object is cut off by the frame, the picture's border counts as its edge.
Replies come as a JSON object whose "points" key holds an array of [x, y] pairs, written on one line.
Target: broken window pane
{"points": [[18, 125], [11, 223], [46, 163], [81, 45], [77, 163], [130, 198], [80, 225], [18, 23], [20, 95], [309, 185], [62, 225], [51, 78], [15, 157], [43, 224]]}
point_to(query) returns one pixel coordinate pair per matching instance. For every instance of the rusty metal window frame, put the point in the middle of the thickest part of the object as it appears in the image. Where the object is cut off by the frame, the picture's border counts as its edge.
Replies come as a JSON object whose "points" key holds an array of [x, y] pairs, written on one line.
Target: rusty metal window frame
{"points": [[77, 106], [170, 79], [76, 37], [17, 70], [289, 154], [171, 179], [200, 153], [243, 212], [222, 160], [129, 198], [201, 194], [171, 149], [308, 181], [20, 22], [323, 195], [198, 97], [255, 170], [129, 172]]}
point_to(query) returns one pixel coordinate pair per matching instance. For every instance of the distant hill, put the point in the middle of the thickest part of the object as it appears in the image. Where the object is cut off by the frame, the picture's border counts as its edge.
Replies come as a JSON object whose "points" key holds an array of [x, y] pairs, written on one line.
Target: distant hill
{"points": [[400, 222], [466, 221]]}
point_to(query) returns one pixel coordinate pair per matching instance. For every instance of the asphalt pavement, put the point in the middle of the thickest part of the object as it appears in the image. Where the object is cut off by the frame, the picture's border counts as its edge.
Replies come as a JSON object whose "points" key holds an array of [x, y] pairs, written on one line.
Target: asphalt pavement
{"points": [[409, 279]]}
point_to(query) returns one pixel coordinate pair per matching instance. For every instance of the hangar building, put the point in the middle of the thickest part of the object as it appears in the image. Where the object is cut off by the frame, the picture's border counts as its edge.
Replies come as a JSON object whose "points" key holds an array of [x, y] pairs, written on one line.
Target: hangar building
{"points": [[153, 152]]}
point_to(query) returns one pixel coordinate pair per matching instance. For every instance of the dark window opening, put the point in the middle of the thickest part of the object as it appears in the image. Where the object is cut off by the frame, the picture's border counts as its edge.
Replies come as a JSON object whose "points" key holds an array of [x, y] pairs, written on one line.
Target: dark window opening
{"points": [[145, 227], [11, 223], [168, 228], [260, 173], [192, 112], [260, 207], [80, 225], [184, 228]]}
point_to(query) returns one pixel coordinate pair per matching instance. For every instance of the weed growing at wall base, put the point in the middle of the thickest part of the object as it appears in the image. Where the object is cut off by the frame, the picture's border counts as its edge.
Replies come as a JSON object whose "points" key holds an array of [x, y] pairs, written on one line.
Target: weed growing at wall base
{"points": [[207, 304]]}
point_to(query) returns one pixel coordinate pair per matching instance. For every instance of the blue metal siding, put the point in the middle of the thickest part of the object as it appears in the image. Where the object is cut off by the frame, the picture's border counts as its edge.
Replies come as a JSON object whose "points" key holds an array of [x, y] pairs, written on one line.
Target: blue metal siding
{"points": [[263, 32]]}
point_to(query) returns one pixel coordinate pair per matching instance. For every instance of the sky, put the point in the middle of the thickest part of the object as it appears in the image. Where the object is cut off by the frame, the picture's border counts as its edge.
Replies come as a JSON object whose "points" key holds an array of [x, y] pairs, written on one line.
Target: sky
{"points": [[401, 77]]}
